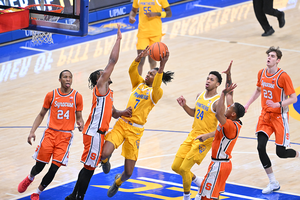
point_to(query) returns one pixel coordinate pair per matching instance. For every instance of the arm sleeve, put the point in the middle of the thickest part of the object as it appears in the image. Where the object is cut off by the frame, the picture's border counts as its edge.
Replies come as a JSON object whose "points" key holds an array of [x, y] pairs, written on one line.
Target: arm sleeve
{"points": [[286, 83], [79, 102], [134, 74], [230, 129], [258, 78], [157, 91], [48, 100]]}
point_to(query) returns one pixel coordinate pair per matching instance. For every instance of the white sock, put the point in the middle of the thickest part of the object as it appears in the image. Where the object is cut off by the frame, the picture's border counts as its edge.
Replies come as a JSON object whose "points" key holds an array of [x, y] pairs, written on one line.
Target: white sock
{"points": [[38, 191], [271, 177], [186, 196], [298, 154], [30, 178], [197, 181]]}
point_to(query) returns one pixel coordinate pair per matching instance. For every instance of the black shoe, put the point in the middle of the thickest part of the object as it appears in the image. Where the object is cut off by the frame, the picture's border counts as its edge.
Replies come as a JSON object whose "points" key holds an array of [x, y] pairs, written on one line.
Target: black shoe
{"points": [[281, 20], [269, 32], [106, 166], [71, 197], [114, 188]]}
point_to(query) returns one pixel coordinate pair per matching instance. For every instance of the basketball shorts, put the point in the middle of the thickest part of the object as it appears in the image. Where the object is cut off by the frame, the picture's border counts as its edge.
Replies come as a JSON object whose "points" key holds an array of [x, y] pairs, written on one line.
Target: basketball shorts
{"points": [[194, 149], [142, 43], [93, 147], [56, 144], [277, 123], [130, 135], [215, 179]]}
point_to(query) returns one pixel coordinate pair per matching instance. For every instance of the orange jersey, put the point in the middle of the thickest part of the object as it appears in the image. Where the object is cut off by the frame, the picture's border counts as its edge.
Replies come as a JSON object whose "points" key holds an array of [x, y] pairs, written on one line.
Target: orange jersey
{"points": [[275, 87], [225, 139], [62, 108], [101, 113]]}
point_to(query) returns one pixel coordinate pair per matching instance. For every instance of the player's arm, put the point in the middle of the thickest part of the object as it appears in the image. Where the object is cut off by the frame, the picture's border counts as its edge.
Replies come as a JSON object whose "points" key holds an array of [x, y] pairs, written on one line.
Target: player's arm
{"points": [[229, 95], [114, 56], [132, 15], [135, 77], [79, 120], [118, 113], [182, 102], [37, 122], [164, 14], [204, 137], [254, 96], [220, 112]]}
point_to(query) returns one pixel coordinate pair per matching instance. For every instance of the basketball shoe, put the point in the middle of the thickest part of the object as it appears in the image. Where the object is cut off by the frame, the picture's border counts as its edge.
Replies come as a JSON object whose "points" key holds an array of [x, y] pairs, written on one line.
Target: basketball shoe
{"points": [[35, 196], [106, 166], [273, 186], [24, 185], [114, 188]]}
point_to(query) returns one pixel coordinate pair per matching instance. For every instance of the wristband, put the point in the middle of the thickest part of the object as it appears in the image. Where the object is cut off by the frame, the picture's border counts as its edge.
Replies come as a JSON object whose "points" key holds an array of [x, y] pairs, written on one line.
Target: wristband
{"points": [[280, 104], [163, 14]]}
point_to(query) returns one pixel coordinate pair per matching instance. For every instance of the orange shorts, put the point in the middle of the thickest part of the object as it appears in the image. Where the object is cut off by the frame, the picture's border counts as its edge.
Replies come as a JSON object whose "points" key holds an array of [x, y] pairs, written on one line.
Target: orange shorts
{"points": [[93, 146], [215, 179], [142, 43], [277, 123], [56, 144]]}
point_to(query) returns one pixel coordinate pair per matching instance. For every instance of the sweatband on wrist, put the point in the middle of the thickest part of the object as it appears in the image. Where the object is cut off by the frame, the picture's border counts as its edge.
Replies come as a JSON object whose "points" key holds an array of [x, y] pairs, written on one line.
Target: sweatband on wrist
{"points": [[163, 14]]}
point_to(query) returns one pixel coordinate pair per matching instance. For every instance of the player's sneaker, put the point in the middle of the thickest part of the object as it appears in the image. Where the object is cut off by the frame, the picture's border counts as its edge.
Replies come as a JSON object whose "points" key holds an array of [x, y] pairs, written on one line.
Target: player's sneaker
{"points": [[106, 166], [35, 196], [114, 188], [24, 185], [71, 197], [273, 186]]}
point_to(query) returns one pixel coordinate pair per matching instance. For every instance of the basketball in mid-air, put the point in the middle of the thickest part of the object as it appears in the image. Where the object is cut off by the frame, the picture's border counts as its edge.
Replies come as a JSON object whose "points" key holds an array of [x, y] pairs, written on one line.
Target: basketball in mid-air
{"points": [[157, 49]]}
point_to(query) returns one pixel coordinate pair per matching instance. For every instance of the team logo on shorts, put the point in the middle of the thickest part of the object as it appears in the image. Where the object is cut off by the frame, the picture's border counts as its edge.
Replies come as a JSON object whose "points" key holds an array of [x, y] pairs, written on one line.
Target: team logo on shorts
{"points": [[202, 148], [137, 144]]}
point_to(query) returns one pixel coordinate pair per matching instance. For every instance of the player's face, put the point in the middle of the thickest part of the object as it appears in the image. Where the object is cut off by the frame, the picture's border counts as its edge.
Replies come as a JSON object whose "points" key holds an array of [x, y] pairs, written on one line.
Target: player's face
{"points": [[211, 82], [229, 111], [272, 59], [150, 77], [66, 79]]}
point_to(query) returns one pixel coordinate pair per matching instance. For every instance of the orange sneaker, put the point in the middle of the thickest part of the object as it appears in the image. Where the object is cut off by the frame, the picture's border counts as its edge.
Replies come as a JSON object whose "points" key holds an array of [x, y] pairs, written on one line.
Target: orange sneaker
{"points": [[35, 196], [24, 185]]}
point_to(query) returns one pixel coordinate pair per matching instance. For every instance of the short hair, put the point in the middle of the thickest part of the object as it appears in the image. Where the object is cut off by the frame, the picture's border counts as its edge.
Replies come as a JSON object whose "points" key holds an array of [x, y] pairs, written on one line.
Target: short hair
{"points": [[218, 75], [60, 75], [167, 76], [93, 78], [239, 110], [276, 50]]}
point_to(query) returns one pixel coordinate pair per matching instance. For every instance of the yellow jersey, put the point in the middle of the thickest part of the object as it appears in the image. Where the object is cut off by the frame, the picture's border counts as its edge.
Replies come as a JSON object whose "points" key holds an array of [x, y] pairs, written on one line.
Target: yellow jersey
{"points": [[205, 120], [149, 27], [142, 98]]}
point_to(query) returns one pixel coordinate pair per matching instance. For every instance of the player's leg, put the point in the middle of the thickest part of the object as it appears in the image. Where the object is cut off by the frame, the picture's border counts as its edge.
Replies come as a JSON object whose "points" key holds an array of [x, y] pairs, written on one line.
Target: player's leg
{"points": [[261, 16], [268, 9]]}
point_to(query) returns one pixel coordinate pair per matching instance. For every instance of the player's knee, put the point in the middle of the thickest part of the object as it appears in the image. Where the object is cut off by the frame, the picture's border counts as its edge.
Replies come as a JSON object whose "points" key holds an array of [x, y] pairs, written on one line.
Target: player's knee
{"points": [[281, 153], [39, 166], [175, 168], [183, 170]]}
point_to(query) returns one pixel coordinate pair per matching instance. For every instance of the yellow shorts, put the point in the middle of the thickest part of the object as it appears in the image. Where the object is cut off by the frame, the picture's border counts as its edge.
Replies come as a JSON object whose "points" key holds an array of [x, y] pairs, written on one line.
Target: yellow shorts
{"points": [[194, 149], [130, 135], [142, 43]]}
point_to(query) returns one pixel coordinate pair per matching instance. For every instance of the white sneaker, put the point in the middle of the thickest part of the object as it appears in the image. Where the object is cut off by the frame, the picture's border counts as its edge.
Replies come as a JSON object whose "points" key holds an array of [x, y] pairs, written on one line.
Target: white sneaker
{"points": [[273, 186]]}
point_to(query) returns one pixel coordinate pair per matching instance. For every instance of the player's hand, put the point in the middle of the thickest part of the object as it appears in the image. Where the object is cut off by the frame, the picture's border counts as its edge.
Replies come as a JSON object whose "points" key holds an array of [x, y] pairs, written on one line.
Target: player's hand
{"points": [[181, 101], [271, 104], [127, 112], [80, 125], [246, 107], [144, 53], [119, 34], [202, 138], [164, 57], [132, 20], [228, 69], [229, 88], [151, 14], [31, 135]]}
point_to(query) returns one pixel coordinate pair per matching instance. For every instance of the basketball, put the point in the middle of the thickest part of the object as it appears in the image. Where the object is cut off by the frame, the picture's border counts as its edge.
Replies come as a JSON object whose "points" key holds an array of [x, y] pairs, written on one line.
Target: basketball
{"points": [[157, 49]]}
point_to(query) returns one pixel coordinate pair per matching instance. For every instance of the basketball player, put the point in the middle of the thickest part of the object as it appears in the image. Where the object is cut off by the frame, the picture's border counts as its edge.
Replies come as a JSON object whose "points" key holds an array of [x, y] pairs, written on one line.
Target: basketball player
{"points": [[277, 93], [225, 137], [193, 151], [150, 25], [98, 122], [145, 94], [65, 104]]}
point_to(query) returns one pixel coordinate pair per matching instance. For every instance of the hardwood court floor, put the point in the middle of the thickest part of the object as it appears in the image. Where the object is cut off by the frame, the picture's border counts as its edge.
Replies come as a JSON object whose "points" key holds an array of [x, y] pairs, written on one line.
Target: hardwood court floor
{"points": [[198, 45]]}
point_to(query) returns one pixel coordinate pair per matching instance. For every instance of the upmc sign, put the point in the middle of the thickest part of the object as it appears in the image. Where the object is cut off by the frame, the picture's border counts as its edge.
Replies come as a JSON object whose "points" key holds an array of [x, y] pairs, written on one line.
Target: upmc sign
{"points": [[94, 4]]}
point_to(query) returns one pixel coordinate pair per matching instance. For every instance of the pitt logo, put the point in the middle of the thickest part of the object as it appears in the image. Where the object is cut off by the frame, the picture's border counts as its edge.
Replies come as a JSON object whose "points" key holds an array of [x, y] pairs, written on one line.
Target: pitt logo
{"points": [[200, 105], [202, 148], [63, 104], [264, 84]]}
